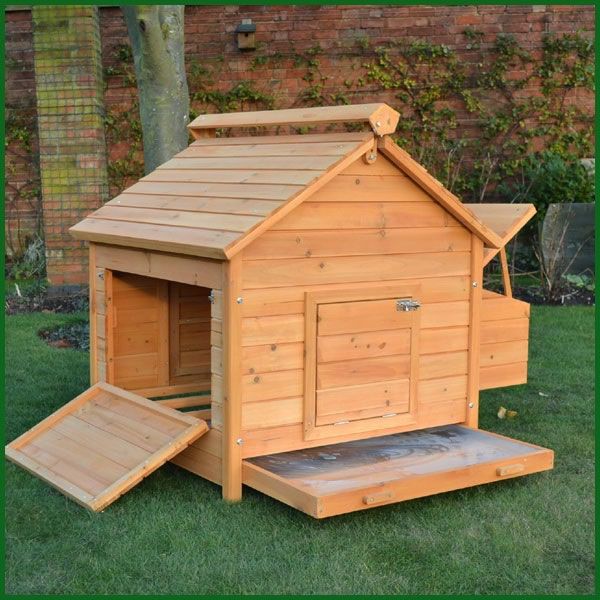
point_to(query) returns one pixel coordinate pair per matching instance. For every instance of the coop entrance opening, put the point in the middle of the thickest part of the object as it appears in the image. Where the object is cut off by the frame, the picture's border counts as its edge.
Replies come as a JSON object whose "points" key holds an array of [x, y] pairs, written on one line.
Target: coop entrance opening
{"points": [[158, 338]]}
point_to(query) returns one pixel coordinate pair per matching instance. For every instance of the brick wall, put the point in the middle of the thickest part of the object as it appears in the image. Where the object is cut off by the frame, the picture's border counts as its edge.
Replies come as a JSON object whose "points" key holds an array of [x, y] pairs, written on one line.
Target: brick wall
{"points": [[289, 32]]}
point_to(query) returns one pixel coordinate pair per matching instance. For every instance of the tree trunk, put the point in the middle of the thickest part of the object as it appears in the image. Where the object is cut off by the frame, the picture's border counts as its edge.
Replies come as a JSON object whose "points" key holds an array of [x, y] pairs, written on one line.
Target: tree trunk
{"points": [[156, 34]]}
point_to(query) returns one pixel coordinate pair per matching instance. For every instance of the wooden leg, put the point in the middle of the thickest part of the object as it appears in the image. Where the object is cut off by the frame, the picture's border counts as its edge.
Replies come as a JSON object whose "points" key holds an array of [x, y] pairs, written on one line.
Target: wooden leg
{"points": [[232, 373]]}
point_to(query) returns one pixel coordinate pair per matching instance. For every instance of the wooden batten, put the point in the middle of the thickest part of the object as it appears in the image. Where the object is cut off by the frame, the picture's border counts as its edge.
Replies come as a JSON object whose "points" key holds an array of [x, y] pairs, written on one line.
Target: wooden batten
{"points": [[93, 312], [474, 332], [232, 393], [170, 267], [382, 118]]}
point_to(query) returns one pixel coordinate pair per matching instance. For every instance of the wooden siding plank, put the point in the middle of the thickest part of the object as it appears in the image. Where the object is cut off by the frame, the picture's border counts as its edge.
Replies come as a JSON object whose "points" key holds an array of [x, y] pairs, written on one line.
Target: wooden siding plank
{"points": [[282, 329], [496, 308], [434, 366], [272, 357], [356, 317], [272, 330], [504, 330], [367, 344], [268, 386], [371, 188], [502, 375], [362, 401], [356, 242], [290, 300], [500, 353], [344, 269], [365, 370], [376, 215]]}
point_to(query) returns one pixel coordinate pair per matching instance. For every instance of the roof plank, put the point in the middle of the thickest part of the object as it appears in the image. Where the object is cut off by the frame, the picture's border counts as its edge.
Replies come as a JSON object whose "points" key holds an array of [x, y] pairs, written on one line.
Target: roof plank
{"points": [[286, 163], [291, 149], [219, 190], [176, 218], [288, 177], [197, 242], [234, 206]]}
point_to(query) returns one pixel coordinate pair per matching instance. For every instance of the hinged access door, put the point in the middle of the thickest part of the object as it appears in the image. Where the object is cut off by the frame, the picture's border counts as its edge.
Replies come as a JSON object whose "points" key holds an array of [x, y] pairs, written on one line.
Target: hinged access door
{"points": [[361, 361]]}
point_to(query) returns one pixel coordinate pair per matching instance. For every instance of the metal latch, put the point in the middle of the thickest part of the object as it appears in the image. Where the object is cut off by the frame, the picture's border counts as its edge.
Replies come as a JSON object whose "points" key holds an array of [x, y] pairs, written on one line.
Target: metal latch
{"points": [[406, 305], [211, 297]]}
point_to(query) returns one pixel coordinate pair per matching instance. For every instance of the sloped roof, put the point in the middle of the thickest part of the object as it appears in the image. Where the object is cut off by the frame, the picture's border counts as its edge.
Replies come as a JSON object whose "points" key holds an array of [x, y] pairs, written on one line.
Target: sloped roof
{"points": [[219, 190], [504, 219], [216, 196]]}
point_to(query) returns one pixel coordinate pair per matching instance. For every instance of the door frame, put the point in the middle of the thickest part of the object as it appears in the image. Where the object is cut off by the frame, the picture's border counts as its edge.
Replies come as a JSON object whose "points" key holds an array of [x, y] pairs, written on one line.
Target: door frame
{"points": [[372, 292]]}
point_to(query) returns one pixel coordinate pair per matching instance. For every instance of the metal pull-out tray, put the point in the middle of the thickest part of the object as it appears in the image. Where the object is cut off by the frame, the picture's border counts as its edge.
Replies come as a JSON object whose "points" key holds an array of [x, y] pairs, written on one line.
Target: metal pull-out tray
{"points": [[341, 478]]}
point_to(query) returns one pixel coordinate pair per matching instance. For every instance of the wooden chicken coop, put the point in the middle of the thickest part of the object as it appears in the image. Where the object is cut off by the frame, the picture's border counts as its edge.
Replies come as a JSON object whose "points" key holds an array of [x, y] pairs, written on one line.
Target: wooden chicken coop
{"points": [[302, 314]]}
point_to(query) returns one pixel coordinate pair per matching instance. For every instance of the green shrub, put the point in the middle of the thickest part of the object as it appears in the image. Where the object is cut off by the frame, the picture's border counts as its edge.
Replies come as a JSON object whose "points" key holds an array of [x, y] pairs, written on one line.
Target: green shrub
{"points": [[549, 178]]}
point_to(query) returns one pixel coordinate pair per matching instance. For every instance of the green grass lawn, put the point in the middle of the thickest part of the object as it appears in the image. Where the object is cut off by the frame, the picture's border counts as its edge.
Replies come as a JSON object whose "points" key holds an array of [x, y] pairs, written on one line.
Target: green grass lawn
{"points": [[172, 534]]}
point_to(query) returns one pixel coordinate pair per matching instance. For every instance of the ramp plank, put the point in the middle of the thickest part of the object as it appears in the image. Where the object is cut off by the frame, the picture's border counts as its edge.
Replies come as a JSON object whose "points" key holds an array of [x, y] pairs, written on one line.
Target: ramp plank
{"points": [[102, 443]]}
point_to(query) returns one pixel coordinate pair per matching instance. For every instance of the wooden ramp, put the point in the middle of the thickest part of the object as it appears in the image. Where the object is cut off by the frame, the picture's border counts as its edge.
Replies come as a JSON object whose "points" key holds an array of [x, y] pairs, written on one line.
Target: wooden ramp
{"points": [[102, 443], [341, 478]]}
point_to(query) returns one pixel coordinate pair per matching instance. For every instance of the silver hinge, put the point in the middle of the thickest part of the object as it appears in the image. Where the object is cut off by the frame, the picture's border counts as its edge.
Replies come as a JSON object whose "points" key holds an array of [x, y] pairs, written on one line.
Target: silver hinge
{"points": [[406, 305], [211, 297]]}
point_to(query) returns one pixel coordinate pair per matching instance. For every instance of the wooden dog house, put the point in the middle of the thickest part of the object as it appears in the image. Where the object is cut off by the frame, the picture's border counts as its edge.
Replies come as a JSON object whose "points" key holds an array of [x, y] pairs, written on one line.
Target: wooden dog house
{"points": [[320, 298]]}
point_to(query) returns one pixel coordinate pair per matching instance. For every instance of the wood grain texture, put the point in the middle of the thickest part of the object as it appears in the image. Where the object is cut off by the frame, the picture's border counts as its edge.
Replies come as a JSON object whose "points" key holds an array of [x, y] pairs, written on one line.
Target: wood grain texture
{"points": [[212, 199], [392, 469], [475, 310], [382, 118], [232, 384], [102, 443], [504, 346]]}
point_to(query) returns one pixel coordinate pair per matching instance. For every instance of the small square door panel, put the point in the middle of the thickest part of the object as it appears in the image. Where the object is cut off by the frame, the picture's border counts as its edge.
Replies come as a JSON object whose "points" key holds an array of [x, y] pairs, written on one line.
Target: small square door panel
{"points": [[361, 362]]}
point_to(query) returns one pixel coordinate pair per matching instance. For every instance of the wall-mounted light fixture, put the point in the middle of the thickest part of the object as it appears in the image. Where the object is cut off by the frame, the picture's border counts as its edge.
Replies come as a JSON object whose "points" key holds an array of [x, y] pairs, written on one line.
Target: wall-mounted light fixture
{"points": [[246, 35]]}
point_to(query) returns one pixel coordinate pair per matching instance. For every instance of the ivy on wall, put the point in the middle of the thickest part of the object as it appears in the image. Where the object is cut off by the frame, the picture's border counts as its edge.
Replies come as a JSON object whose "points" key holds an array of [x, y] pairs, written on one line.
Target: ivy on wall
{"points": [[22, 204], [474, 120]]}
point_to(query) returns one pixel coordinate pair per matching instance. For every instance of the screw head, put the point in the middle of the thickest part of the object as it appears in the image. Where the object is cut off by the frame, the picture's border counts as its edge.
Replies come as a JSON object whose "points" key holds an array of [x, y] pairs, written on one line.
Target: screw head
{"points": [[239, 441], [471, 405], [474, 284], [240, 300]]}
